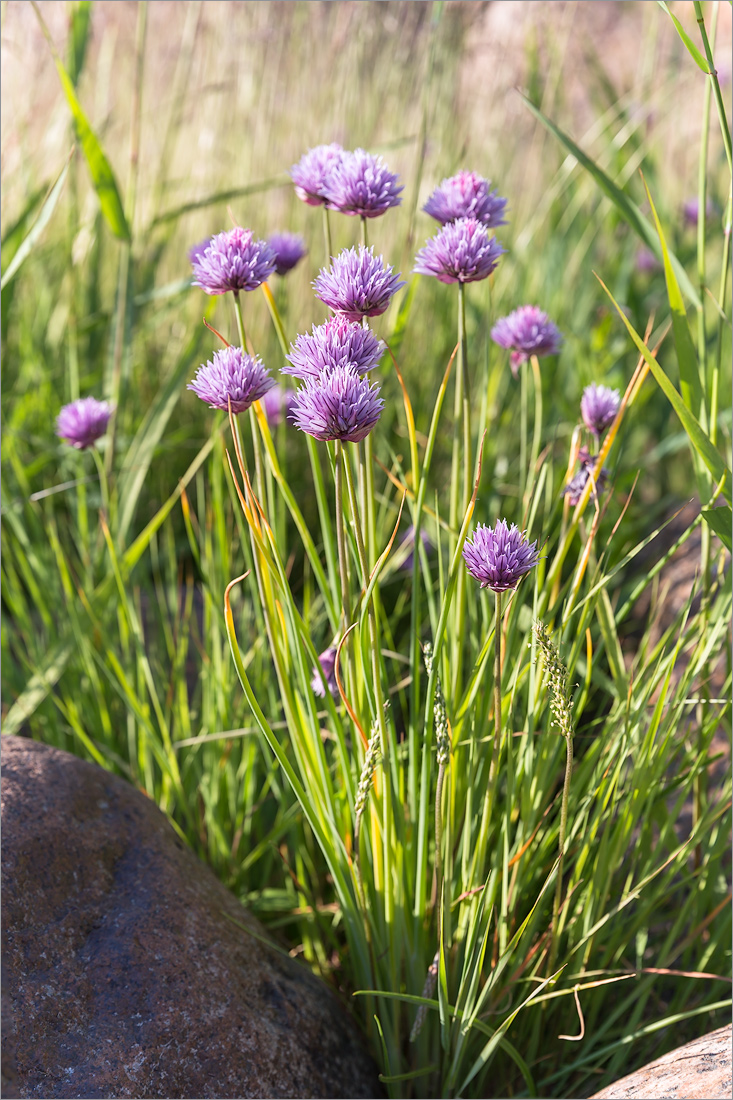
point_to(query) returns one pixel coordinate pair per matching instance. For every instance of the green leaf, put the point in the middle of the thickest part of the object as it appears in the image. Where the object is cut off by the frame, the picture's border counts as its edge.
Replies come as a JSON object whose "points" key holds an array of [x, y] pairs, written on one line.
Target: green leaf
{"points": [[626, 206], [81, 15], [99, 167], [42, 219], [697, 436], [692, 49], [721, 522], [690, 384], [136, 464]]}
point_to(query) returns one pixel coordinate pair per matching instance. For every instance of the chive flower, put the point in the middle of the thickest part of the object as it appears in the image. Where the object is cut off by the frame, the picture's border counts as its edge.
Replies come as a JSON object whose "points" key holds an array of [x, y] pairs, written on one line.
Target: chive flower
{"points": [[309, 174], [327, 661], [357, 284], [361, 183], [83, 422], [499, 557], [235, 261], [276, 403], [231, 376], [196, 251], [461, 252], [574, 488], [289, 249], [332, 344], [466, 195], [527, 331], [339, 404], [598, 407]]}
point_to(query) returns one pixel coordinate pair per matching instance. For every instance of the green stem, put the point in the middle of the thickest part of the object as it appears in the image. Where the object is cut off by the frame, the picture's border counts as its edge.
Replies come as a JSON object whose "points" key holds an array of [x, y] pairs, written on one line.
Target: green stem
{"points": [[364, 232], [326, 234], [341, 535], [722, 118], [537, 428], [439, 846], [561, 845]]}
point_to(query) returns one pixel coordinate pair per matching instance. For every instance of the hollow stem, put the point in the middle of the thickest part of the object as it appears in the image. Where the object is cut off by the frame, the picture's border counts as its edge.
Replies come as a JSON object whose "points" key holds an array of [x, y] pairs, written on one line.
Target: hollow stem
{"points": [[561, 847], [326, 234]]}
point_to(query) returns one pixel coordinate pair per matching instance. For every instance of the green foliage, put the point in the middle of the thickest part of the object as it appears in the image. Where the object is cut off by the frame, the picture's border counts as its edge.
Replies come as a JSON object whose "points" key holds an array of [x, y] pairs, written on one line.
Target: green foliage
{"points": [[431, 887]]}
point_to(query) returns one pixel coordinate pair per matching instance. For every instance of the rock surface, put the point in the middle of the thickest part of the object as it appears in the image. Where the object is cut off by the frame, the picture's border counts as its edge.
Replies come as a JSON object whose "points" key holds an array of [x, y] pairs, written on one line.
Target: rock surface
{"points": [[701, 1070], [123, 972]]}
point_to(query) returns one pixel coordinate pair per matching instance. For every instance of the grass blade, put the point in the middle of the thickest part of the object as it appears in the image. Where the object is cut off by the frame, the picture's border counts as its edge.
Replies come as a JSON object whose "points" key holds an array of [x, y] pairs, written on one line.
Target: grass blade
{"points": [[99, 167]]}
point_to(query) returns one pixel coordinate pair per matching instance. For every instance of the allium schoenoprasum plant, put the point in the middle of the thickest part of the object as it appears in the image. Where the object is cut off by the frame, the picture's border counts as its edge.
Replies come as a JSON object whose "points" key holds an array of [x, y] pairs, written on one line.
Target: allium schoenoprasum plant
{"points": [[348, 577]]}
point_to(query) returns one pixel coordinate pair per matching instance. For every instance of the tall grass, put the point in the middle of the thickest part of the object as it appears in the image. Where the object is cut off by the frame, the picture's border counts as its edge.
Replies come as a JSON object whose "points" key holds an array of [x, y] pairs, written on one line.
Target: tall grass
{"points": [[487, 955]]}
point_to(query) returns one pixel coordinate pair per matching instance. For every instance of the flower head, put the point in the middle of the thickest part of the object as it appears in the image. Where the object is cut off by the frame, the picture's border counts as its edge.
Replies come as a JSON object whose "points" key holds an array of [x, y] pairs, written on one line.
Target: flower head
{"points": [[691, 211], [598, 407], [461, 252], [574, 488], [499, 557], [309, 174], [83, 422], [337, 405], [234, 376], [360, 183], [466, 195], [196, 251], [276, 403], [527, 331], [327, 661], [332, 344], [646, 261], [233, 261], [357, 284], [289, 249]]}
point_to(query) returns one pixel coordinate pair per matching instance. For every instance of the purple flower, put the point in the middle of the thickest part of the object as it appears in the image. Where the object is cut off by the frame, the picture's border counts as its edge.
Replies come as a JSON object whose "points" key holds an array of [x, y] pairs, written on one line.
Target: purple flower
{"points": [[646, 261], [234, 376], [691, 211], [289, 250], [466, 195], [233, 261], [309, 174], [83, 422], [332, 344], [277, 402], [360, 183], [357, 284], [527, 331], [598, 407], [574, 488], [408, 539], [499, 557], [337, 405], [196, 251], [327, 661], [461, 252]]}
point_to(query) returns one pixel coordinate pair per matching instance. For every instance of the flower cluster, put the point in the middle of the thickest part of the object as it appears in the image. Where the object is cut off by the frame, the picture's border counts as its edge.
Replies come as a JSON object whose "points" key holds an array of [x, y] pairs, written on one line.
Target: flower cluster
{"points": [[598, 407], [234, 261], [355, 183], [574, 488], [499, 557], [338, 404], [335, 343], [289, 250], [358, 284], [461, 252], [527, 331], [233, 377], [83, 422], [466, 195], [327, 663]]}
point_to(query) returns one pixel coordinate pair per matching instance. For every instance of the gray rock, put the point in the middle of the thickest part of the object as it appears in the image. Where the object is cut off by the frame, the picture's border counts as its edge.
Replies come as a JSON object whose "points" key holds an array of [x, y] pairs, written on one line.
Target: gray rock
{"points": [[700, 1070], [123, 972]]}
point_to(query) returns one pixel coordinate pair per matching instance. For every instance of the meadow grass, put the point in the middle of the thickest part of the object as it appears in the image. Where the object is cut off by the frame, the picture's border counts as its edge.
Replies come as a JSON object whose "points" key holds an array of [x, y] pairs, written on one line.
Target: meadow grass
{"points": [[487, 953]]}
